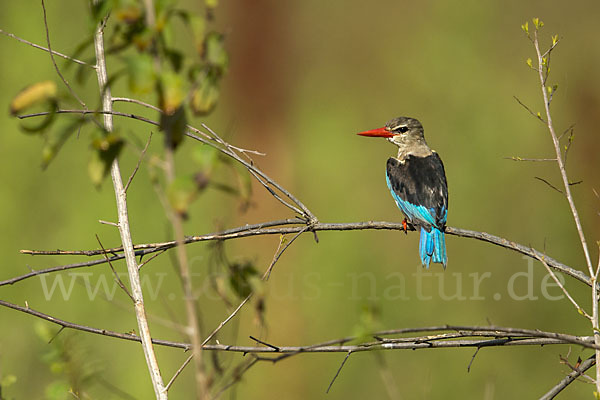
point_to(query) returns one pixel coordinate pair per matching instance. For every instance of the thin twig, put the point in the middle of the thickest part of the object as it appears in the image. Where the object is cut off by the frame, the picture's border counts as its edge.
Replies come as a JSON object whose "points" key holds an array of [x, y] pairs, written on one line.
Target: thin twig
{"points": [[580, 310], [565, 360], [473, 359], [151, 258], [538, 116], [137, 166], [567, 380], [172, 380], [338, 371], [119, 281], [549, 184], [37, 46], [237, 376], [136, 101], [529, 159], [54, 61], [279, 252], [108, 223]]}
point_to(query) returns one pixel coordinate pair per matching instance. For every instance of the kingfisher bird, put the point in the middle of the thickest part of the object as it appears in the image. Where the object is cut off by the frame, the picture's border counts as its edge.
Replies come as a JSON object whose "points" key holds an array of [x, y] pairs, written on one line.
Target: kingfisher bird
{"points": [[418, 184]]}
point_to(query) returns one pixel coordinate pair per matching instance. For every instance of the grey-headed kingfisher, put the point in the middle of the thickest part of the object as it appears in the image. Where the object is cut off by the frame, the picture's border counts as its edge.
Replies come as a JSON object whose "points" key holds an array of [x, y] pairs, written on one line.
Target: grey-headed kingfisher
{"points": [[418, 184]]}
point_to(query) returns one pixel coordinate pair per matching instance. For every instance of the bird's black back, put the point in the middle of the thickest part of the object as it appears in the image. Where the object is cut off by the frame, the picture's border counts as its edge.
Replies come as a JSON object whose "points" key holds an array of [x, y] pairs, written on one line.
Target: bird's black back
{"points": [[421, 181]]}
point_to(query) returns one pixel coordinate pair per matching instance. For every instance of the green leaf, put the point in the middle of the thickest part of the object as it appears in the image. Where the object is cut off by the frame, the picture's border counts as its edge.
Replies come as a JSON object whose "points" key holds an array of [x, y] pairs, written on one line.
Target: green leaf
{"points": [[204, 96], [140, 70], [58, 390], [369, 322], [171, 92], [57, 138], [198, 26], [181, 193], [211, 3], [525, 27], [104, 151], [7, 381], [215, 54], [530, 62], [128, 11], [536, 22], [206, 157], [554, 40]]}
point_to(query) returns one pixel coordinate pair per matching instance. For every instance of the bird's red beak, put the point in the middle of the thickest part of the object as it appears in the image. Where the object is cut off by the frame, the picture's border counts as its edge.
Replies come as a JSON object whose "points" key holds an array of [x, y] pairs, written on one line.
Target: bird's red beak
{"points": [[379, 132]]}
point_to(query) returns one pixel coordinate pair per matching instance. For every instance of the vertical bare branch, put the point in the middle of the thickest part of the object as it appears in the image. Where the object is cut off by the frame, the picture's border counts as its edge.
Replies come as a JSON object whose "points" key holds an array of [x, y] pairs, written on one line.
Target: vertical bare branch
{"points": [[543, 60], [559, 158], [121, 198]]}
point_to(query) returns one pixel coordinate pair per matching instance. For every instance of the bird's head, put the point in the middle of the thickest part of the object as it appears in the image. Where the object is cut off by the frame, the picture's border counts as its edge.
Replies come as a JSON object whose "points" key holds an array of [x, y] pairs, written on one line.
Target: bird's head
{"points": [[404, 132]]}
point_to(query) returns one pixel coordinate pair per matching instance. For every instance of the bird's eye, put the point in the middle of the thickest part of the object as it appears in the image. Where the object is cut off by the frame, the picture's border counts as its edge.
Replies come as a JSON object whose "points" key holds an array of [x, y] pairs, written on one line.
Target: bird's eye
{"points": [[403, 129]]}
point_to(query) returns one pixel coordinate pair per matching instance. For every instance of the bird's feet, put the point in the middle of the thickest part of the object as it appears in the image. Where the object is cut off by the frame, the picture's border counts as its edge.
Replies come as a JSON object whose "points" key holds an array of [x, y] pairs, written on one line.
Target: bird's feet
{"points": [[405, 226]]}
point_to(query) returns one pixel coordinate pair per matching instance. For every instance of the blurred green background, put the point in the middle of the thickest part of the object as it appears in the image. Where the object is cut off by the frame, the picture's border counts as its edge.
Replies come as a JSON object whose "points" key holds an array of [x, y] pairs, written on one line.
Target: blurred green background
{"points": [[304, 78]]}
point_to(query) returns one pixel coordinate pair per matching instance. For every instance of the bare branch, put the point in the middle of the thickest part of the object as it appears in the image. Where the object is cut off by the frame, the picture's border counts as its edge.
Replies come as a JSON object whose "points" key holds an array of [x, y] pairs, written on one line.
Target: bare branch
{"points": [[580, 310], [529, 159], [37, 46], [283, 227], [515, 336], [137, 166], [567, 380], [538, 116], [54, 61], [172, 380], [544, 59], [119, 281], [124, 231], [549, 184], [338, 371], [108, 223], [279, 252], [558, 152]]}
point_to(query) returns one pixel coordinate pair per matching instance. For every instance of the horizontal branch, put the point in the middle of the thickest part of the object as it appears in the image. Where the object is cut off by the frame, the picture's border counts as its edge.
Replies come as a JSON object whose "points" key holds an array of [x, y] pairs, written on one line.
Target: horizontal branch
{"points": [[295, 225], [486, 336]]}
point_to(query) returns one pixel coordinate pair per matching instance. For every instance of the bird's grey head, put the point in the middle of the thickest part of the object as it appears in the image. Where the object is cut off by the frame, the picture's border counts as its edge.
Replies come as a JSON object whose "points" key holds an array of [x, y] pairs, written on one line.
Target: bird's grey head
{"points": [[404, 132], [407, 132]]}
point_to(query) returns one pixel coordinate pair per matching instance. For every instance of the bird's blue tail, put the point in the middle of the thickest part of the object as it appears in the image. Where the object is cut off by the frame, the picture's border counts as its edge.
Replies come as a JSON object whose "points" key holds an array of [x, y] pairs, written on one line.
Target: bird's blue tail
{"points": [[432, 247]]}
